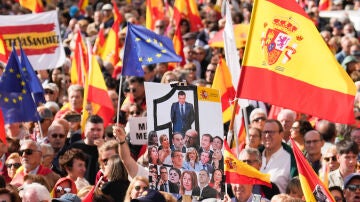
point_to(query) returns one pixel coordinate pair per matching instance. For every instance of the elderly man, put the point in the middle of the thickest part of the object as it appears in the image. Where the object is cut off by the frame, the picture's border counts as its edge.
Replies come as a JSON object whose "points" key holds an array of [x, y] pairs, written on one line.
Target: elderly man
{"points": [[352, 187], [57, 140], [94, 131], [31, 155], [257, 118], [76, 96], [191, 139], [277, 158], [286, 118]]}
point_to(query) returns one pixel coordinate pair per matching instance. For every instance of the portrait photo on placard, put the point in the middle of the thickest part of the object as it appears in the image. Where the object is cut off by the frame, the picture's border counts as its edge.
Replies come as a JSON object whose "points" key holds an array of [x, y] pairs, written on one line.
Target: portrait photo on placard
{"points": [[185, 136]]}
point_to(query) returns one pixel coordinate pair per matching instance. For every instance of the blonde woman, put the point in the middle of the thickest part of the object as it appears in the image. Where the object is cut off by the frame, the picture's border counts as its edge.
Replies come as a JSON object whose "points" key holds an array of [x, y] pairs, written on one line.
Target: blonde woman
{"points": [[137, 186]]}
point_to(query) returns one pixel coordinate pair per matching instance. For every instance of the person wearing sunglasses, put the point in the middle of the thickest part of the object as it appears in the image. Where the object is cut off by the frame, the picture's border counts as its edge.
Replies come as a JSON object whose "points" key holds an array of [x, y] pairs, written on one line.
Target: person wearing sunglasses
{"points": [[57, 139], [138, 185], [12, 163], [63, 186], [352, 187], [31, 155], [257, 118]]}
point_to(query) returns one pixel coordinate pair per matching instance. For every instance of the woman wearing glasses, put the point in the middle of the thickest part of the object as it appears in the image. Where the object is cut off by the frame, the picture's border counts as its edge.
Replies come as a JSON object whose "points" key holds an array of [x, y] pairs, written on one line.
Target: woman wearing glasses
{"points": [[137, 186], [12, 163], [117, 177]]}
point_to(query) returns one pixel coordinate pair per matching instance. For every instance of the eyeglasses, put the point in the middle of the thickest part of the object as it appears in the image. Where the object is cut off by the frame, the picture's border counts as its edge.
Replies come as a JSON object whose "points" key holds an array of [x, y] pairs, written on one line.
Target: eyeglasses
{"points": [[212, 71], [16, 165], [27, 151], [134, 112], [60, 189], [332, 158], [259, 119], [250, 161], [270, 132], [191, 69], [49, 92], [137, 188], [353, 187], [159, 26], [312, 141], [57, 135]]}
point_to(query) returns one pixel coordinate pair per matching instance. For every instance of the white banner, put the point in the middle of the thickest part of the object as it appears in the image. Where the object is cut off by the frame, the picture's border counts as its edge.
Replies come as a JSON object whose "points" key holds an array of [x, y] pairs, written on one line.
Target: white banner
{"points": [[138, 130], [39, 35]]}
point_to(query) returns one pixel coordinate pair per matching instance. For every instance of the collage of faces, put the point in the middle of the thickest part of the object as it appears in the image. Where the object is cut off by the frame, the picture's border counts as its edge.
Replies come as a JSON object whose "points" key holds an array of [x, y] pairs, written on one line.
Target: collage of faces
{"points": [[187, 164]]}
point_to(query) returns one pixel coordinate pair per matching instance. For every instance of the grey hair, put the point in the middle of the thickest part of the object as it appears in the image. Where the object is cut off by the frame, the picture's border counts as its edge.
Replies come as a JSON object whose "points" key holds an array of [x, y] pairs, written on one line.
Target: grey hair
{"points": [[287, 112], [251, 151], [257, 111], [30, 141], [41, 191]]}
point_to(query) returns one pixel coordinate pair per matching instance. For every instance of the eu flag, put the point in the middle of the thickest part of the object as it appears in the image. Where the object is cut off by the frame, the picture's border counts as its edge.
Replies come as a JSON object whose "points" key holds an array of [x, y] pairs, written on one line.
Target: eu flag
{"points": [[31, 79], [144, 47], [15, 95]]}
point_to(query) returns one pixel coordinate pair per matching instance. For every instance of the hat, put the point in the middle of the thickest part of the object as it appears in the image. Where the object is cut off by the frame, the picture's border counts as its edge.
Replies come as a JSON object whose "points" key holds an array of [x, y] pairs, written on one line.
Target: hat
{"points": [[150, 195], [349, 178], [347, 60], [45, 113], [68, 197], [73, 10], [107, 7], [338, 25], [189, 35], [51, 86]]}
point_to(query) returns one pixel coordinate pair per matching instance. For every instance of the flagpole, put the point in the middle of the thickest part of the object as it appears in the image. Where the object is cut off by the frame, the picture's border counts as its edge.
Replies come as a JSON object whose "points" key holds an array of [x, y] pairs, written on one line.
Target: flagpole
{"points": [[119, 100]]}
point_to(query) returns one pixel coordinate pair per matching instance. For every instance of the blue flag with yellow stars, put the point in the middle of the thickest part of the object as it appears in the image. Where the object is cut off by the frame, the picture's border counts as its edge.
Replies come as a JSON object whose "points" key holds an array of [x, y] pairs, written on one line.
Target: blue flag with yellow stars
{"points": [[31, 79], [15, 95], [144, 47]]}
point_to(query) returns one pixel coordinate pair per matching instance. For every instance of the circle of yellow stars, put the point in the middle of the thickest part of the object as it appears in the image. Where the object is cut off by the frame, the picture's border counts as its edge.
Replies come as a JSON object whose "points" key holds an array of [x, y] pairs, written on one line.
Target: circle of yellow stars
{"points": [[157, 55], [17, 98]]}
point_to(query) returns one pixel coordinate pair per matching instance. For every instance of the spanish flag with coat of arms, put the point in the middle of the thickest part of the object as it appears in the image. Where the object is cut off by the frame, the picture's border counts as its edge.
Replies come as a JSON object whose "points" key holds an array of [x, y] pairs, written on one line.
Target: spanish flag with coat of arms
{"points": [[288, 64]]}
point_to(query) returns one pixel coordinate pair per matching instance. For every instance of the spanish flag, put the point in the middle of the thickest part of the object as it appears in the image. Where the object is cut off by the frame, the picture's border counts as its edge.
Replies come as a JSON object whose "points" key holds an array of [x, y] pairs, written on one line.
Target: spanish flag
{"points": [[188, 9], [288, 64], [238, 172], [222, 82], [95, 94], [325, 5], [154, 11], [36, 6], [313, 189], [4, 53], [82, 5], [79, 63]]}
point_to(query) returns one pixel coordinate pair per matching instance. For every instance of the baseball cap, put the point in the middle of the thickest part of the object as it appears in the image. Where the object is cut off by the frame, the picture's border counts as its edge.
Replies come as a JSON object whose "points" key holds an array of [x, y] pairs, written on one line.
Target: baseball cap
{"points": [[51, 86], [190, 35], [150, 195], [350, 177], [68, 197], [107, 7], [73, 10]]}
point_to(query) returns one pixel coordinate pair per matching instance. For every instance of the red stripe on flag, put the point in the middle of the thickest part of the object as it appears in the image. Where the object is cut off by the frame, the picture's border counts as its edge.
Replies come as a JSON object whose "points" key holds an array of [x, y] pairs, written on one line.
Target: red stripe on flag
{"points": [[27, 28], [96, 96], [49, 50], [284, 94], [290, 7], [227, 97]]}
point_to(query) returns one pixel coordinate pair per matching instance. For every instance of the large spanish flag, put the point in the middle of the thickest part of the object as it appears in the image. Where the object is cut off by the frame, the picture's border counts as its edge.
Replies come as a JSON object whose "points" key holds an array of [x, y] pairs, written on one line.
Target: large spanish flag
{"points": [[238, 172], [313, 189], [36, 6], [154, 11], [288, 64]]}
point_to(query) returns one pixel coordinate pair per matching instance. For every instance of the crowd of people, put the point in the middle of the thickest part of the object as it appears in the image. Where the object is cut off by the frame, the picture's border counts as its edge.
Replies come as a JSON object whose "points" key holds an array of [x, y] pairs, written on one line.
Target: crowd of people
{"points": [[56, 159]]}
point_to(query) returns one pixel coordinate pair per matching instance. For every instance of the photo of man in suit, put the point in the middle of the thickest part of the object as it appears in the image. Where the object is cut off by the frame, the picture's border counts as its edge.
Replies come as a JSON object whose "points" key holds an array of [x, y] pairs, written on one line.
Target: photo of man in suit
{"points": [[182, 114], [164, 184], [204, 191]]}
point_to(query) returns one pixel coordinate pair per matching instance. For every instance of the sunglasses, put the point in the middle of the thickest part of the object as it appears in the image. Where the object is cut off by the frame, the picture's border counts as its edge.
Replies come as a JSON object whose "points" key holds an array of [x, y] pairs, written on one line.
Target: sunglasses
{"points": [[250, 161], [16, 165], [332, 158], [135, 112], [137, 188], [62, 189], [353, 187], [27, 152], [49, 92], [259, 119], [56, 135]]}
